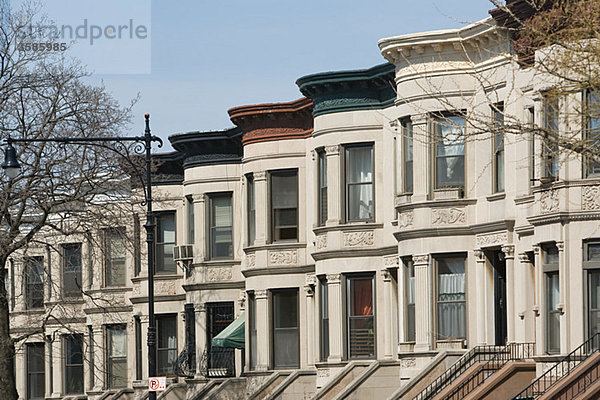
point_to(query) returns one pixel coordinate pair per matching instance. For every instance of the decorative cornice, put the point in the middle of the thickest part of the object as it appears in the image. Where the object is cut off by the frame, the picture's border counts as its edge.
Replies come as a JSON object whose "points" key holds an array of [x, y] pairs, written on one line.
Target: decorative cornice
{"points": [[354, 253], [209, 147], [274, 121], [340, 91], [285, 270]]}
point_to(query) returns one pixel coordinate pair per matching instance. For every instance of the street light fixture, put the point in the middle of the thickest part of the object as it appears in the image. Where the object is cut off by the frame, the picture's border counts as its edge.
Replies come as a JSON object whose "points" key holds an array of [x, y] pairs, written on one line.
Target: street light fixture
{"points": [[11, 167]]}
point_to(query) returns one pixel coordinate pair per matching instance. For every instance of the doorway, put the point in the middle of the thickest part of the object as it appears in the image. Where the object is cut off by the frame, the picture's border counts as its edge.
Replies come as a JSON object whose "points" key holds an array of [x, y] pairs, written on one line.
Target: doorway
{"points": [[500, 315]]}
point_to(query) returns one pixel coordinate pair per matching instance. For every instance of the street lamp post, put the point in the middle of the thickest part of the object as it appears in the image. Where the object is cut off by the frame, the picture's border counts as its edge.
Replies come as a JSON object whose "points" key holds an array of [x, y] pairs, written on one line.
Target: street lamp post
{"points": [[11, 167]]}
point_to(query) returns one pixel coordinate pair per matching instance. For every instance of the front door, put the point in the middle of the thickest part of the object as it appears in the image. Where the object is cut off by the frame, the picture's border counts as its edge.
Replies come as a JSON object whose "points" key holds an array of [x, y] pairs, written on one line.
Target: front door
{"points": [[499, 267], [220, 360]]}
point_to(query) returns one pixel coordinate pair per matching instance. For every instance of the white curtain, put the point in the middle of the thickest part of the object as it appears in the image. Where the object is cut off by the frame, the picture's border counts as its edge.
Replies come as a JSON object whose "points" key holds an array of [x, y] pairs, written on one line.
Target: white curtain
{"points": [[451, 306], [361, 172], [451, 142]]}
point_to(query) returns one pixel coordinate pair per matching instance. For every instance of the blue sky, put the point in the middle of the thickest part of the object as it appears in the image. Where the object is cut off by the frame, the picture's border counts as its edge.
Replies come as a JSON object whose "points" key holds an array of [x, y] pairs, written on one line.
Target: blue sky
{"points": [[207, 57]]}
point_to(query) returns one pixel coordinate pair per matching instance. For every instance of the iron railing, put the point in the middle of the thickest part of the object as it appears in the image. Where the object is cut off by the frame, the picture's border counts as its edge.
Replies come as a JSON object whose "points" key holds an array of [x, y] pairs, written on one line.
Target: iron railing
{"points": [[218, 362], [476, 355], [561, 369], [511, 352], [185, 365]]}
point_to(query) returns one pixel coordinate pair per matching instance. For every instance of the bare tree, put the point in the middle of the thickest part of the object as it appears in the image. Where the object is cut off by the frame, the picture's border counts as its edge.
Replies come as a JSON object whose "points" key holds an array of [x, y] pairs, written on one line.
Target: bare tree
{"points": [[62, 190]]}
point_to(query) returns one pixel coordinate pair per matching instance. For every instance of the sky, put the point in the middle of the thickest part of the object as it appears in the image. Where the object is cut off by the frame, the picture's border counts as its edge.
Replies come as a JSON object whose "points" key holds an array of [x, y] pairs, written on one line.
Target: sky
{"points": [[201, 58]]}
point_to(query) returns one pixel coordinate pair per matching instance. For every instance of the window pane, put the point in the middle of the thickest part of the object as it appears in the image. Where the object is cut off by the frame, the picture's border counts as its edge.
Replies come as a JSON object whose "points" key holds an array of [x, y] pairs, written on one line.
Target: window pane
{"points": [[361, 329], [284, 188], [410, 300], [360, 202], [166, 228], [285, 333], [450, 150], [594, 302], [451, 307], [408, 156], [72, 270], [166, 344], [222, 212], [251, 211], [165, 243], [550, 146], [324, 310], [360, 164], [115, 262], [593, 253], [550, 254], [190, 220], [322, 188], [553, 315], [74, 364], [35, 282], [117, 356], [286, 304], [362, 296], [36, 379]]}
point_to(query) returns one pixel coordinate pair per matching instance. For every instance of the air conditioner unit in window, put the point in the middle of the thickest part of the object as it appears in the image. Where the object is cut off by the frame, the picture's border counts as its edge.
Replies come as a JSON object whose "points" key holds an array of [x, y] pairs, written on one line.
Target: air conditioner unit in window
{"points": [[183, 252]]}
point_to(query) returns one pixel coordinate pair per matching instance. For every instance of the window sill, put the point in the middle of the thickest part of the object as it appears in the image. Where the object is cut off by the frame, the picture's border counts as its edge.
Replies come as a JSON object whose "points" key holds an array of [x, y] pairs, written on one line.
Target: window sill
{"points": [[350, 226], [403, 198], [277, 245], [496, 196], [448, 194], [157, 277]]}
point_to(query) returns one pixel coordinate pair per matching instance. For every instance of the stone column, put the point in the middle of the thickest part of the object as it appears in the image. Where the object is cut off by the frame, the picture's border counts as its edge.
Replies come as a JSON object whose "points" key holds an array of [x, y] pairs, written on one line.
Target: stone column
{"points": [[480, 297], [144, 321], [336, 320], [263, 334], [523, 298], [261, 199], [421, 157], [539, 317], [48, 359], [57, 366], [99, 353], [200, 325], [509, 257], [21, 377], [334, 194], [563, 282], [423, 312], [388, 331], [199, 227], [309, 291]]}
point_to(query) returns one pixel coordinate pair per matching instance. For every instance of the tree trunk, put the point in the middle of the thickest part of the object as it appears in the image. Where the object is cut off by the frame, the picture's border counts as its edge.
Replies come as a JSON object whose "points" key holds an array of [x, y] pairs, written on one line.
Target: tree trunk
{"points": [[8, 384]]}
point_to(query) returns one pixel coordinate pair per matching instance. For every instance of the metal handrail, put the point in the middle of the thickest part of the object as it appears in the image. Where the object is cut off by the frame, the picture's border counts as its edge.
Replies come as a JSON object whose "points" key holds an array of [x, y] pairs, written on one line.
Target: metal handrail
{"points": [[511, 352], [561, 369], [475, 355]]}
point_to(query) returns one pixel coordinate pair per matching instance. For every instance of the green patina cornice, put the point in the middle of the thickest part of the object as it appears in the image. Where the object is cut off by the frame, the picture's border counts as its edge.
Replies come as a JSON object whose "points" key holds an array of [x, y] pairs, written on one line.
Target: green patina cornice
{"points": [[339, 91]]}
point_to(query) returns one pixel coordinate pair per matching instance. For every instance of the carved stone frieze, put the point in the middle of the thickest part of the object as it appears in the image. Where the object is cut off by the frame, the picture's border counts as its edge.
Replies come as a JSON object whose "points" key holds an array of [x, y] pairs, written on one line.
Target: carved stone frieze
{"points": [[406, 219], [390, 261], [259, 175], [260, 294], [491, 239], [590, 198], [421, 259], [332, 150], [448, 216], [218, 274], [165, 287], [250, 260], [358, 239], [408, 362], [321, 241], [283, 257], [549, 201], [311, 279], [323, 373], [334, 278]]}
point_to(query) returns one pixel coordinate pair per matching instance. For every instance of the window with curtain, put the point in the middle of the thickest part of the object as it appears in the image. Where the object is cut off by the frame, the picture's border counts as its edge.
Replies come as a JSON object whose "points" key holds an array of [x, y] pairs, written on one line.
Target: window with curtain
{"points": [[592, 133], [361, 317], [322, 187], [324, 316], [117, 356], [36, 376], [252, 329], [551, 133], [251, 205], [166, 344], [73, 364], [591, 264], [221, 226], [409, 274], [115, 273], [451, 298], [71, 270], [284, 205], [407, 155], [498, 143], [552, 293], [359, 183], [449, 151], [286, 331], [191, 234], [34, 278], [165, 242]]}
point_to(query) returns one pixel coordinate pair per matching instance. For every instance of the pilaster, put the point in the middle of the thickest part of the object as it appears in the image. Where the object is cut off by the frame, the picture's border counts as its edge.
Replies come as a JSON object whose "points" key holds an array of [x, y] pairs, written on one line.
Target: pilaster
{"points": [[334, 195], [336, 322], [563, 282], [524, 299], [509, 257], [261, 200], [423, 322], [309, 292], [57, 357], [199, 224], [538, 308], [421, 156], [388, 332], [480, 300], [200, 322], [263, 348]]}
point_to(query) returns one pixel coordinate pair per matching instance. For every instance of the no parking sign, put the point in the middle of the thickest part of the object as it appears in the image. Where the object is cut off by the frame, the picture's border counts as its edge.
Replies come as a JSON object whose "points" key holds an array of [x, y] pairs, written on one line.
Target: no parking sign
{"points": [[156, 384]]}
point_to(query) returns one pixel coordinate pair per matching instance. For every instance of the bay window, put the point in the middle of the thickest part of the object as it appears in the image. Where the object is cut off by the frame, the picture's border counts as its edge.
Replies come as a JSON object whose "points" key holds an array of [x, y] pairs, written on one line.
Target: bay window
{"points": [[359, 183]]}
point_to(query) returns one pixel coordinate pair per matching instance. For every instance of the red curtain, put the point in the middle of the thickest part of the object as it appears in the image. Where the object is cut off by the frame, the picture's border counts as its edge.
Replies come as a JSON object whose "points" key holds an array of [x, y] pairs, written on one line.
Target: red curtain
{"points": [[362, 292]]}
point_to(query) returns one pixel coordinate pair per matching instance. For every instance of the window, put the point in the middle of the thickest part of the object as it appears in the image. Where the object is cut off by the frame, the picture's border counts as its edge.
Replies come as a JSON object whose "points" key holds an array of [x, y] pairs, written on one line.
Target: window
{"points": [[322, 187], [360, 314], [409, 276], [36, 379], [91, 344], [286, 338], [251, 204], [591, 264], [73, 375], [117, 356], [550, 143], [359, 183], [165, 242], [551, 277], [498, 146], [34, 282], [191, 235], [530, 113], [72, 270], [252, 329], [221, 226], [138, 348], [450, 151], [166, 344], [407, 155], [137, 250], [115, 270], [451, 299], [324, 316], [592, 133], [284, 205]]}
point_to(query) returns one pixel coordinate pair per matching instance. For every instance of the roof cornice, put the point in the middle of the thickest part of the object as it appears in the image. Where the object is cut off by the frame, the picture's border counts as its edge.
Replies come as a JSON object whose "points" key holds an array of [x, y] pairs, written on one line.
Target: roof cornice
{"points": [[274, 121], [339, 91], [209, 147]]}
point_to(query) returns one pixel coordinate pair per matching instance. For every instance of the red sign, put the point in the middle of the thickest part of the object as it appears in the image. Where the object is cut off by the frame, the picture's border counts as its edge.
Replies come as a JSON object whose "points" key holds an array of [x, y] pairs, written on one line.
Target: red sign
{"points": [[156, 384]]}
